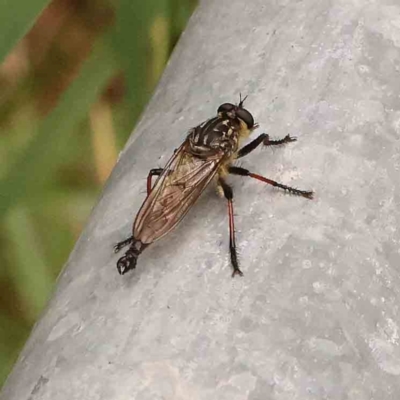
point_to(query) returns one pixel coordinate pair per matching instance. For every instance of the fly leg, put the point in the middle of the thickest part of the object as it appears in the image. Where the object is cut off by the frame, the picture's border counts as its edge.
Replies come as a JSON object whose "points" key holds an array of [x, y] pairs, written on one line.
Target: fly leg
{"points": [[245, 172], [122, 244], [228, 193], [265, 140], [152, 172]]}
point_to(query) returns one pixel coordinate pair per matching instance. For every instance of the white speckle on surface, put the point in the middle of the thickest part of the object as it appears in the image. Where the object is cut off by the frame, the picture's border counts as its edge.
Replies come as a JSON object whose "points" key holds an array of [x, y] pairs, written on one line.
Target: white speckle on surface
{"points": [[386, 355], [390, 330], [319, 287], [324, 346]]}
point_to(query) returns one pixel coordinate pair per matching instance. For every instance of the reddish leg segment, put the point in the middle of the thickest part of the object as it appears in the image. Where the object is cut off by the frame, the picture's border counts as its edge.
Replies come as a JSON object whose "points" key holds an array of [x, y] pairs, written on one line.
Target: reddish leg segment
{"points": [[228, 193], [245, 172]]}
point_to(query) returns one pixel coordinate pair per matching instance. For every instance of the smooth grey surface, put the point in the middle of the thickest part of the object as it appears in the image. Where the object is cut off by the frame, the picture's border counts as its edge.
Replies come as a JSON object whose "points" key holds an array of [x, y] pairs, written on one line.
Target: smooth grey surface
{"points": [[316, 315]]}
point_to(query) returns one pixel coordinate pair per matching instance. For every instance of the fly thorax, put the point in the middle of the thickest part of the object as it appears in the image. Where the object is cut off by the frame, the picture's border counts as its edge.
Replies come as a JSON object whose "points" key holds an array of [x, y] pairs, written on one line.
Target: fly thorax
{"points": [[215, 135]]}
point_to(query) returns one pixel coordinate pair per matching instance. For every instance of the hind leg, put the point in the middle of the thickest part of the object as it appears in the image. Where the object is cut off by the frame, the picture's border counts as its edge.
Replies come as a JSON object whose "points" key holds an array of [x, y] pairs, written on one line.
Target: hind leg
{"points": [[228, 193], [244, 172], [122, 244]]}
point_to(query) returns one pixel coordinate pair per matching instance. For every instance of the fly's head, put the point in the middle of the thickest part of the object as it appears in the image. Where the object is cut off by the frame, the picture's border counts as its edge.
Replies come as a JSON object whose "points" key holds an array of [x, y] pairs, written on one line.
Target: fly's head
{"points": [[238, 113]]}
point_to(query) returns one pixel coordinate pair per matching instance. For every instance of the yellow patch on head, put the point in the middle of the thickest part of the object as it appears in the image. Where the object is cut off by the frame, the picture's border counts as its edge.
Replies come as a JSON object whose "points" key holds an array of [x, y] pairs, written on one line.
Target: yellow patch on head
{"points": [[244, 131]]}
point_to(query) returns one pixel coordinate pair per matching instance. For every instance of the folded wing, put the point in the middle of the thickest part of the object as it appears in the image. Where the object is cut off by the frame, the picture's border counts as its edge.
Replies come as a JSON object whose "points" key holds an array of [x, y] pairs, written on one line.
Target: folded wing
{"points": [[179, 186]]}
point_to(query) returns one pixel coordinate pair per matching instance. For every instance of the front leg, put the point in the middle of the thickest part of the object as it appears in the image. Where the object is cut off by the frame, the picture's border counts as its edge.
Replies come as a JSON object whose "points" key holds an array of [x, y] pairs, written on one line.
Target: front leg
{"points": [[265, 140]]}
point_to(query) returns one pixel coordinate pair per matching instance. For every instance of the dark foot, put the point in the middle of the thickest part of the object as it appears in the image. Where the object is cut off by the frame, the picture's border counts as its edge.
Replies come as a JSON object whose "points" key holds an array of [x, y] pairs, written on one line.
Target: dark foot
{"points": [[308, 195], [237, 272], [286, 139]]}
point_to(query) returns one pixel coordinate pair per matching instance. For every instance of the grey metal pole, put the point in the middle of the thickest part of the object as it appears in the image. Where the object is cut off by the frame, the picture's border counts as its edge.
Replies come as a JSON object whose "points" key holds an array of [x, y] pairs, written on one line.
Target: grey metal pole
{"points": [[316, 315]]}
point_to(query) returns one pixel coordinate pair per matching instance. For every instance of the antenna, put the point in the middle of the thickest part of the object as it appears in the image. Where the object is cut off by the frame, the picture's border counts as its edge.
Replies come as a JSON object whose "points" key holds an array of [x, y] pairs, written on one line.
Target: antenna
{"points": [[241, 101]]}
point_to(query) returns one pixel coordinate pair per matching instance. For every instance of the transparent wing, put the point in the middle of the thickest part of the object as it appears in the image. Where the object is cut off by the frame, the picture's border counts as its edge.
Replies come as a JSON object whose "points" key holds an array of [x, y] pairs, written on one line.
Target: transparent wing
{"points": [[175, 191]]}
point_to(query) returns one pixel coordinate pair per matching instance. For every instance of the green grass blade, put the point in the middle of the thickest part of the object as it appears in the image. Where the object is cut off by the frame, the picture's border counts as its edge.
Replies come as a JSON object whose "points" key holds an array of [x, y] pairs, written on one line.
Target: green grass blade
{"points": [[13, 334], [40, 159], [35, 287], [133, 41], [16, 18]]}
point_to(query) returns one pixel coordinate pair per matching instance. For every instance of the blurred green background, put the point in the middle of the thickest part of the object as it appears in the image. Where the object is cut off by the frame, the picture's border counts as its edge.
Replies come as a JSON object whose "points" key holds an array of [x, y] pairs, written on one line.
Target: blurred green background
{"points": [[74, 77]]}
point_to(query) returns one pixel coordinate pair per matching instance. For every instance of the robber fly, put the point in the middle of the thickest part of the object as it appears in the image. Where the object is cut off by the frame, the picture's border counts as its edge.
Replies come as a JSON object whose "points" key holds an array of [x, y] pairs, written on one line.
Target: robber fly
{"points": [[206, 154]]}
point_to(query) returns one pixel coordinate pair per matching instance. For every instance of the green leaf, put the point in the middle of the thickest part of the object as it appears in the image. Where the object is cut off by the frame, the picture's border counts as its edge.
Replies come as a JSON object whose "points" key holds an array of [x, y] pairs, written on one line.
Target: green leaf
{"points": [[134, 38], [29, 273], [16, 18], [35, 166], [13, 333]]}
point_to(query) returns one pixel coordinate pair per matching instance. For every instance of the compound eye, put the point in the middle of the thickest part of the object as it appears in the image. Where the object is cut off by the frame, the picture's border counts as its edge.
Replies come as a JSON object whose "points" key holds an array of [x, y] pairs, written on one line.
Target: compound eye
{"points": [[226, 107], [246, 117]]}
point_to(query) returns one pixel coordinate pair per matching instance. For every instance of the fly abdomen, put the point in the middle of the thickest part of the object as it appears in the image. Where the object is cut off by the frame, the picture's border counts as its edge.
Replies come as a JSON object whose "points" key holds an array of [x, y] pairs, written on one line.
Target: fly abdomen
{"points": [[129, 260]]}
